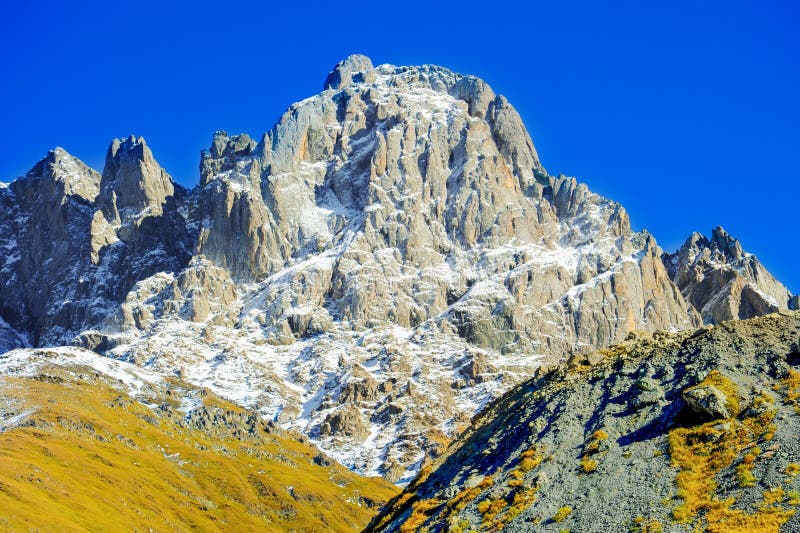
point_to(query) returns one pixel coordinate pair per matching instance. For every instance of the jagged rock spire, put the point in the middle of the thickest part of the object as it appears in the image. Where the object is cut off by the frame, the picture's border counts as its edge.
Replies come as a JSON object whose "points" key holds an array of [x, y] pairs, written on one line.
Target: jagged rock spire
{"points": [[132, 180], [722, 281]]}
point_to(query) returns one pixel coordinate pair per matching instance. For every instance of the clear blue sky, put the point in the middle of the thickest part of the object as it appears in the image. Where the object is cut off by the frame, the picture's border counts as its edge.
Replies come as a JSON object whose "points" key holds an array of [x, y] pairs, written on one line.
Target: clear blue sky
{"points": [[685, 112]]}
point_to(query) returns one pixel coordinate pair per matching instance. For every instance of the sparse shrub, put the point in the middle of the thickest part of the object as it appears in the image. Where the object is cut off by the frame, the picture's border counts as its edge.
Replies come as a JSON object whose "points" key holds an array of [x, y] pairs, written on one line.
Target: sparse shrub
{"points": [[642, 525], [773, 496], [588, 465], [701, 452], [420, 512], [744, 476], [530, 459], [562, 514], [792, 469]]}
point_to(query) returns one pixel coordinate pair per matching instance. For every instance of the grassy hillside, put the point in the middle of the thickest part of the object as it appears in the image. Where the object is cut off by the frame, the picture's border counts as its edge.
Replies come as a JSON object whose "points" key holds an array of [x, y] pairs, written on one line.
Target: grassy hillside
{"points": [[685, 432], [82, 455]]}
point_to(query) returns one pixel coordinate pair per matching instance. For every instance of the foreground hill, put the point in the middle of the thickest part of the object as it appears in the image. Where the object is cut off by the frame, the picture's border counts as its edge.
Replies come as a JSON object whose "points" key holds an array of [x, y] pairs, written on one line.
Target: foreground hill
{"points": [[125, 450], [674, 432]]}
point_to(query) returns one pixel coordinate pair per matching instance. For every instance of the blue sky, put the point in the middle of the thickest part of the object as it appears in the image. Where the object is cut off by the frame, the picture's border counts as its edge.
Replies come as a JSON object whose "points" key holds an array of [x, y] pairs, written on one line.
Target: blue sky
{"points": [[686, 112]]}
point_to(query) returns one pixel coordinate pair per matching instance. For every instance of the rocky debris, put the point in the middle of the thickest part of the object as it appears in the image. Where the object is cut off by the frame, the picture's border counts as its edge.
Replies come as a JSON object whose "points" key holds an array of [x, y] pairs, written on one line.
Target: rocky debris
{"points": [[561, 449], [648, 392], [722, 281]]}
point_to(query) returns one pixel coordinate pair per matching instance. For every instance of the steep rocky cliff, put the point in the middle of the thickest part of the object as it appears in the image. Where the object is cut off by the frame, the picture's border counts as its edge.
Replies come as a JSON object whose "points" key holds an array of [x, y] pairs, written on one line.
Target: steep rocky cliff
{"points": [[388, 258], [691, 431], [722, 281]]}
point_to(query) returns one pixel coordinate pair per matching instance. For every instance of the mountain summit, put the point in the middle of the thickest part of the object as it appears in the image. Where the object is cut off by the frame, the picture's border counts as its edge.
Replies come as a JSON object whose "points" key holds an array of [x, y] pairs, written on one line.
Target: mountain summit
{"points": [[390, 256], [722, 281]]}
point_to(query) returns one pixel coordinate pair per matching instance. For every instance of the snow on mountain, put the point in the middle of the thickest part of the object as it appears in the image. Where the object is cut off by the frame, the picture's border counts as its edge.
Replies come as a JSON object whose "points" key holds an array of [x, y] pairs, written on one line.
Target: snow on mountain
{"points": [[386, 260]]}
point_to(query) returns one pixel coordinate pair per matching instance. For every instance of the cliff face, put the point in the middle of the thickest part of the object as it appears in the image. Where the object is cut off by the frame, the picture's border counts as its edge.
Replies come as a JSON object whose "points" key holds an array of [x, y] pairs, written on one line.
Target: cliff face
{"points": [[675, 432], [722, 281], [77, 241], [389, 257]]}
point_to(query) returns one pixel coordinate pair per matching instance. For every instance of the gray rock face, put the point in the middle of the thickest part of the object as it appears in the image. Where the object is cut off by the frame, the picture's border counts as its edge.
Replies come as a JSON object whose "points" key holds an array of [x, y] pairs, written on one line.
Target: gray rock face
{"points": [[390, 256], [10, 339], [722, 281], [707, 401], [561, 449], [78, 241]]}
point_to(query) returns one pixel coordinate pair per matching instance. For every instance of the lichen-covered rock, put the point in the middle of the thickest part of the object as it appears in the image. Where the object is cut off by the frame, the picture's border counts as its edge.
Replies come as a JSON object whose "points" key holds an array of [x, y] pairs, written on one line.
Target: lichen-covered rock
{"points": [[707, 401]]}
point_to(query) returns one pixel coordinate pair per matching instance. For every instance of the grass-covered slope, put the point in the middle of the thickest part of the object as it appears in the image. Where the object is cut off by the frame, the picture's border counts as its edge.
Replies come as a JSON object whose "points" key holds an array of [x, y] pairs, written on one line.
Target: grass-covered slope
{"points": [[693, 431], [78, 453]]}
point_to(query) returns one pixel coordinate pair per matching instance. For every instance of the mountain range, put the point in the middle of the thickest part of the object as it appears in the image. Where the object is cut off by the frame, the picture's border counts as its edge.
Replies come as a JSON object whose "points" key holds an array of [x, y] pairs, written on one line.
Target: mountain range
{"points": [[387, 260]]}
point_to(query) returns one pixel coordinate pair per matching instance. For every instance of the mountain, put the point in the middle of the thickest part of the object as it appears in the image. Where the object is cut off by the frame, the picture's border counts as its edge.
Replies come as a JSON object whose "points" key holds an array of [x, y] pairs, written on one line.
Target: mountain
{"points": [[387, 259], [87, 443], [723, 281], [689, 431]]}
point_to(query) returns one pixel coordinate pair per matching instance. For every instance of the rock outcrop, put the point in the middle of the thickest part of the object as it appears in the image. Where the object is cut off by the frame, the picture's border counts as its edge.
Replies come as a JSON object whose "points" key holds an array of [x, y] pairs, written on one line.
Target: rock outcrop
{"points": [[722, 281], [717, 452]]}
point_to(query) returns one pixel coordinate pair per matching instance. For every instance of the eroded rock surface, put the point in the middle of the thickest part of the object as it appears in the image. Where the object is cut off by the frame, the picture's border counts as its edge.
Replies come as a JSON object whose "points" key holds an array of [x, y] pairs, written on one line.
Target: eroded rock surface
{"points": [[390, 256], [724, 282]]}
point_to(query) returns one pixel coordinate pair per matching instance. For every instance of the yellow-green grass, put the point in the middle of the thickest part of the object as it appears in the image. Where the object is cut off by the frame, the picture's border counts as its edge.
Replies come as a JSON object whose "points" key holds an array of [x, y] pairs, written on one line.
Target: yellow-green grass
{"points": [[94, 460], [701, 452]]}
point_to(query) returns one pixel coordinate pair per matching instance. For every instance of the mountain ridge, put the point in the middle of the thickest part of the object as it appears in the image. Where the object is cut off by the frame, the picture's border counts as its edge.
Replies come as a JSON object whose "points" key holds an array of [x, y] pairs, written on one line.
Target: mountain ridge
{"points": [[674, 431], [390, 256]]}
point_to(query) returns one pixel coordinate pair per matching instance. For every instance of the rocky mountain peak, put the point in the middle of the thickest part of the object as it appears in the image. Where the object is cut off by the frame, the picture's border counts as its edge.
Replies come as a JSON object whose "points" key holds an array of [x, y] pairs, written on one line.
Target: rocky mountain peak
{"points": [[390, 256], [355, 68], [725, 243], [59, 175], [132, 180], [722, 281], [223, 154]]}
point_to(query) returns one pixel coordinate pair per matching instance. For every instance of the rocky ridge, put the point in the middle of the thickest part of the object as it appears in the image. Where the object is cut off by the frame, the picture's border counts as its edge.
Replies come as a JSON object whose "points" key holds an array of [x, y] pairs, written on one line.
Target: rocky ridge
{"points": [[673, 432], [387, 259], [722, 281]]}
